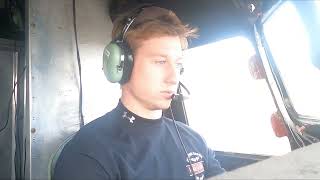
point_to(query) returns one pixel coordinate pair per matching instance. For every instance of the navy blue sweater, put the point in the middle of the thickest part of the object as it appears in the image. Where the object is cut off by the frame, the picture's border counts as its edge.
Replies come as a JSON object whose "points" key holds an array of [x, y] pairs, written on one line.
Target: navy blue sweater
{"points": [[122, 145]]}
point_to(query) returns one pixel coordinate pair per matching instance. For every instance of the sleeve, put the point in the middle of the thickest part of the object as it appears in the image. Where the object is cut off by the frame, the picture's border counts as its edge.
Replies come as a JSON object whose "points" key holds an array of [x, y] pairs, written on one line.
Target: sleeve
{"points": [[79, 166], [213, 165]]}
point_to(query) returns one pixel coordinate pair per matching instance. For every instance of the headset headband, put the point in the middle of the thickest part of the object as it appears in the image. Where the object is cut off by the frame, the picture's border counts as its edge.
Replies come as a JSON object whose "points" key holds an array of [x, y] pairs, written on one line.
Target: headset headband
{"points": [[131, 19]]}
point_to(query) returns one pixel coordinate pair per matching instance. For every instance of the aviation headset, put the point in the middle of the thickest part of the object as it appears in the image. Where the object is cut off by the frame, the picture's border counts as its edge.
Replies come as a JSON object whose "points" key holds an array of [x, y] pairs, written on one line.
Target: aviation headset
{"points": [[117, 55]]}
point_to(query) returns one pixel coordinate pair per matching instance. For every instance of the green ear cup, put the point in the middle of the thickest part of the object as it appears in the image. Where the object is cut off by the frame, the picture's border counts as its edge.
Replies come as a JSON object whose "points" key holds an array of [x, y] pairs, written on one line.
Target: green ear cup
{"points": [[112, 62]]}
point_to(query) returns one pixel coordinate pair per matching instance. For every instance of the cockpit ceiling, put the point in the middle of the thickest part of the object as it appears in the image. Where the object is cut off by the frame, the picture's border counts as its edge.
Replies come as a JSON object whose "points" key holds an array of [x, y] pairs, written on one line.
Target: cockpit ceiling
{"points": [[216, 19]]}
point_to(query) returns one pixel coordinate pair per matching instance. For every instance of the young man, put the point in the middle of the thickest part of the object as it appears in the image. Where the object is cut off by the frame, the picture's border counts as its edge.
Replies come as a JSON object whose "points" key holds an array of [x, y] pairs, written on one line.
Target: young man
{"points": [[134, 140]]}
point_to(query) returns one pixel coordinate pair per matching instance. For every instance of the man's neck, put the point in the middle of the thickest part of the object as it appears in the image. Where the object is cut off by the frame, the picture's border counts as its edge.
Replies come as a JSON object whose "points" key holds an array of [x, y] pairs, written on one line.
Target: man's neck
{"points": [[136, 107]]}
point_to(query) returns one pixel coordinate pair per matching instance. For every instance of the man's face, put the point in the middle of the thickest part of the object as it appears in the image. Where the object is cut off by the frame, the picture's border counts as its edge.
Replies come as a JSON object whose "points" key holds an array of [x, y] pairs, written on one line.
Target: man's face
{"points": [[155, 75]]}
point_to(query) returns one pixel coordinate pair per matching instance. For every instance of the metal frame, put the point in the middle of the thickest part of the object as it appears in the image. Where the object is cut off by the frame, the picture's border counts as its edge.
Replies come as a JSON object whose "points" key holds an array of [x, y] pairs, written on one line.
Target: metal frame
{"points": [[52, 78], [27, 103], [299, 119], [277, 87]]}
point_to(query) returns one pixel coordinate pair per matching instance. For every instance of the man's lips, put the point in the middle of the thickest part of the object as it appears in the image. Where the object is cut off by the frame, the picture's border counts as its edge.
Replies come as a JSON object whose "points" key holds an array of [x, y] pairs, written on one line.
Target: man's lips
{"points": [[167, 94]]}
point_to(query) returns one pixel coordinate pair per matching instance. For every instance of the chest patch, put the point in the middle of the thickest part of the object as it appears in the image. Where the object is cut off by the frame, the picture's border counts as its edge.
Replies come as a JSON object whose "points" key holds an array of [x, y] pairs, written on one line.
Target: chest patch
{"points": [[196, 161]]}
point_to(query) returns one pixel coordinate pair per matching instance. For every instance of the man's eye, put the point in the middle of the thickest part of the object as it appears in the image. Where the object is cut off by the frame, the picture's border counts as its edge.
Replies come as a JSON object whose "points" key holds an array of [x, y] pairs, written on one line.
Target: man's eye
{"points": [[160, 61]]}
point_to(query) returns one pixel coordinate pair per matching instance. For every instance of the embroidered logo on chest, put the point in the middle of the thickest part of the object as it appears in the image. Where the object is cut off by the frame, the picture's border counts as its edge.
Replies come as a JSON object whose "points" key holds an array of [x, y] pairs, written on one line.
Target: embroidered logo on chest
{"points": [[125, 116], [196, 161]]}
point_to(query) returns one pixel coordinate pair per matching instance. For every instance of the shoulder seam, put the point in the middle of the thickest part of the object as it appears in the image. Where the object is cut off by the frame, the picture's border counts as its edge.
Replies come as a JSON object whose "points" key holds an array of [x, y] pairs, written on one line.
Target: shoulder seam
{"points": [[99, 164]]}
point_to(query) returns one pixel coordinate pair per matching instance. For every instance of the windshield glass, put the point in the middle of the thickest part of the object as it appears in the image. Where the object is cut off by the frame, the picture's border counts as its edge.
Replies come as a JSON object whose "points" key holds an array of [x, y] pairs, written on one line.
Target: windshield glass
{"points": [[226, 105], [290, 33]]}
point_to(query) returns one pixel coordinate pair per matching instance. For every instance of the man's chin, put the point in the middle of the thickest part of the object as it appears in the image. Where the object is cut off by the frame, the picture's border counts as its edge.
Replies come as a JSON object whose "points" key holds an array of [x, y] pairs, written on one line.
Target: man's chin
{"points": [[163, 105], [166, 105]]}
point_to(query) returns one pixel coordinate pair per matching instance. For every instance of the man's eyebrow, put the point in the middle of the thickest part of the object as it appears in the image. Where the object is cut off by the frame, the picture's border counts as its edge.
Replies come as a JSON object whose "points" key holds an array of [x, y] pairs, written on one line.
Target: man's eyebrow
{"points": [[155, 54], [177, 58]]}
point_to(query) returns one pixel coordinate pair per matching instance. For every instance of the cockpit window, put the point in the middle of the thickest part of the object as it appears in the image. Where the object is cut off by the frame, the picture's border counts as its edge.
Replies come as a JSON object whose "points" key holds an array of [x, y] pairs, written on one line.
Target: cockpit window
{"points": [[291, 33], [227, 106]]}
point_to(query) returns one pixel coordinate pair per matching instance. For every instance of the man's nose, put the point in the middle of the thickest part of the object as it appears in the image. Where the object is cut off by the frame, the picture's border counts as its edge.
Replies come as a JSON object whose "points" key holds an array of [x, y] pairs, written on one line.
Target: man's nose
{"points": [[173, 73]]}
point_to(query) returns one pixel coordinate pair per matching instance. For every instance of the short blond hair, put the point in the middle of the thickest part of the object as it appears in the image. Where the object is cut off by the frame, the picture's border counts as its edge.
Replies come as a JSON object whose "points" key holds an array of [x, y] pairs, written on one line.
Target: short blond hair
{"points": [[152, 22]]}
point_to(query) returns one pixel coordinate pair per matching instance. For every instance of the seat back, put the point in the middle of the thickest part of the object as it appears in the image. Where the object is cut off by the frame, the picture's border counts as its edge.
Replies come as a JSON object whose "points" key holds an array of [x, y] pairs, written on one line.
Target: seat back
{"points": [[55, 156]]}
